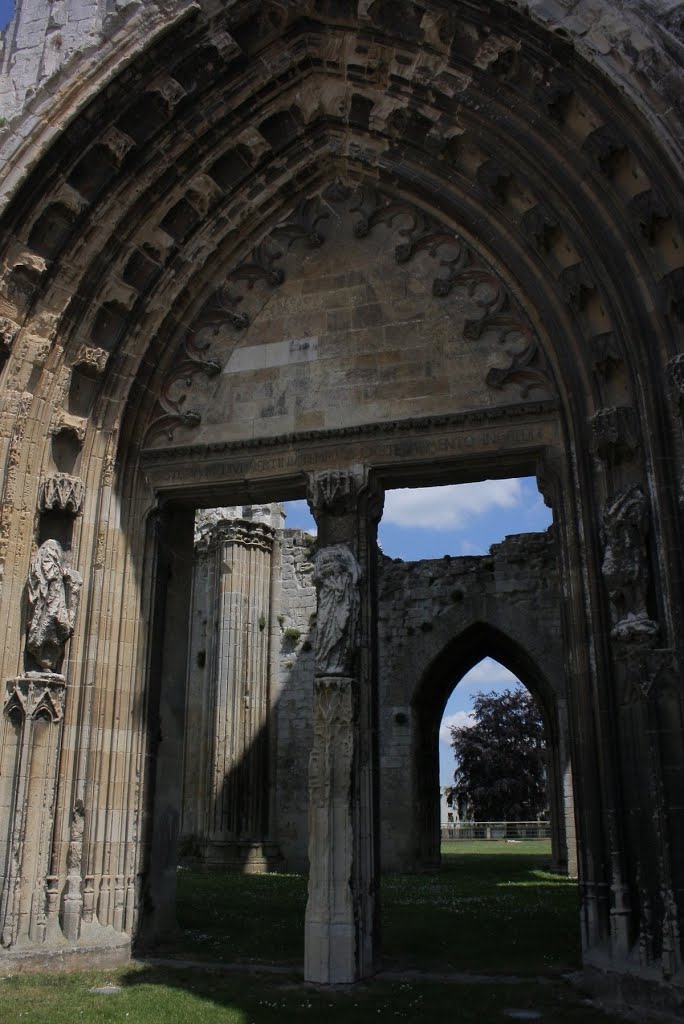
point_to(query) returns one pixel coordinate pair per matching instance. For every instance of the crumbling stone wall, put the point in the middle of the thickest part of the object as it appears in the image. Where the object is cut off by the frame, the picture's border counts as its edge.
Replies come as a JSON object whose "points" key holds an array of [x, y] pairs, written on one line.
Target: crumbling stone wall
{"points": [[436, 619], [292, 698]]}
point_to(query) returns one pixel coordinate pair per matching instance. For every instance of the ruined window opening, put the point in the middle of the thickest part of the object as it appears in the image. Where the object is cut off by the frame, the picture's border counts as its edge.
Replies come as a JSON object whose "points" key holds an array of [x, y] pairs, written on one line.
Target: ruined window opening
{"points": [[459, 519]]}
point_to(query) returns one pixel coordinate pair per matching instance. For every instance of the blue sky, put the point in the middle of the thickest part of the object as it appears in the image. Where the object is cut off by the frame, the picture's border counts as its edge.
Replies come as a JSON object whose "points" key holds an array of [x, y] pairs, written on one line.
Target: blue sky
{"points": [[6, 10], [465, 519]]}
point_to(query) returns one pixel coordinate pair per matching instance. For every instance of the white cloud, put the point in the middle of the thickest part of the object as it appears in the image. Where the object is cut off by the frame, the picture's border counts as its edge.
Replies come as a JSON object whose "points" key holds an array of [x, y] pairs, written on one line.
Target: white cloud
{"points": [[488, 672], [452, 507], [460, 718]]}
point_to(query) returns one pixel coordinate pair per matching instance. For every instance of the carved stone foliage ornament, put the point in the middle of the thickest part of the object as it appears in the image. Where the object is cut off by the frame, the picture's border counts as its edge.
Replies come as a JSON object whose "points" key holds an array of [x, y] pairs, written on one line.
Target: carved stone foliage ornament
{"points": [[336, 575], [625, 566], [62, 493], [456, 265], [614, 434], [53, 594]]}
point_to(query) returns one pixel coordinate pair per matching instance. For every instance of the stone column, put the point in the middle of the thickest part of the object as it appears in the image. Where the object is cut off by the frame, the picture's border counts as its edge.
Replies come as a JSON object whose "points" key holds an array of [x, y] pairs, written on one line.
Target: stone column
{"points": [[238, 821], [342, 909], [229, 703], [173, 533]]}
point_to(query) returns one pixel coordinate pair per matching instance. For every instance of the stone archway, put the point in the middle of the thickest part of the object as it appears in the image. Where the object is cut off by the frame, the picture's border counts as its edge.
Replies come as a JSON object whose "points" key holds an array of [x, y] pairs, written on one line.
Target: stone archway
{"points": [[510, 197], [463, 652], [437, 619]]}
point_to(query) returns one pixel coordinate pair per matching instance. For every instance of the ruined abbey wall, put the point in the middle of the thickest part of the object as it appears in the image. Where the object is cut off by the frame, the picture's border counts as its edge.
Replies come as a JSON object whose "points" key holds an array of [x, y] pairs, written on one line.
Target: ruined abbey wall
{"points": [[425, 610]]}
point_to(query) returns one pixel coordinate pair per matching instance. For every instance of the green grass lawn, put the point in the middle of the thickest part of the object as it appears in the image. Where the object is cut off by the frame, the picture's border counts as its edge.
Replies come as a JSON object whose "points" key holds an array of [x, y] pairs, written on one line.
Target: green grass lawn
{"points": [[153, 995], [493, 909]]}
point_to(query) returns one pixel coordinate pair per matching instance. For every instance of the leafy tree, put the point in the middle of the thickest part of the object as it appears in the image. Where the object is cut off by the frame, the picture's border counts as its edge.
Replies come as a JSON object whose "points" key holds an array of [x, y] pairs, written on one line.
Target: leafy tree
{"points": [[500, 758]]}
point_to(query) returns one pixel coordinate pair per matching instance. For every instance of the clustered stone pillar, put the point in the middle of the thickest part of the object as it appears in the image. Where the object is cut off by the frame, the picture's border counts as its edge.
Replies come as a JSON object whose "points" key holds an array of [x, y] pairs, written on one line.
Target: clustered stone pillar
{"points": [[342, 910], [233, 831]]}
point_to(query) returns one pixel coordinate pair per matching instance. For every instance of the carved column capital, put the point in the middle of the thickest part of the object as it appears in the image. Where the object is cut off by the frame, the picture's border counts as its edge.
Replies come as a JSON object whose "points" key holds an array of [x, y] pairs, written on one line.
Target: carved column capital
{"points": [[614, 434], [340, 492], [242, 531], [335, 491]]}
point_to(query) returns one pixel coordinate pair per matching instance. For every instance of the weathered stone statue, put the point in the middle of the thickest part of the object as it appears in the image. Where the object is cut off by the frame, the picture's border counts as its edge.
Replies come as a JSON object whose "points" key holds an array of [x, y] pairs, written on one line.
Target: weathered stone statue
{"points": [[336, 575], [625, 564], [53, 595]]}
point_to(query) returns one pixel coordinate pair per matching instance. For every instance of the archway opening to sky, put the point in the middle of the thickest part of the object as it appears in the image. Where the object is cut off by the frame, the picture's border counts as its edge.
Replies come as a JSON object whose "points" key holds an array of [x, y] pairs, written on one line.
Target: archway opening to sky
{"points": [[454, 519], [488, 676]]}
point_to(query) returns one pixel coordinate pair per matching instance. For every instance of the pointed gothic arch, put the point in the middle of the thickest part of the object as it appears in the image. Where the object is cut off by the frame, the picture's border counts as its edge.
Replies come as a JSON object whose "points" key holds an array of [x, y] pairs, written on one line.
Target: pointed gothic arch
{"points": [[150, 171], [545, 681]]}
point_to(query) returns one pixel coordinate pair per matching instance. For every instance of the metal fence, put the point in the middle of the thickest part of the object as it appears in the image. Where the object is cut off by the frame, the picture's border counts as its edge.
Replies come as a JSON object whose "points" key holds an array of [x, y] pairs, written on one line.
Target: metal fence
{"points": [[511, 830]]}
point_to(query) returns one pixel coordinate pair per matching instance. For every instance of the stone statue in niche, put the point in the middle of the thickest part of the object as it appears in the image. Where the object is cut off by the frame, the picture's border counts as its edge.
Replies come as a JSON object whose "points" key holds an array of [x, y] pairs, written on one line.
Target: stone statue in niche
{"points": [[53, 595], [336, 575], [625, 565]]}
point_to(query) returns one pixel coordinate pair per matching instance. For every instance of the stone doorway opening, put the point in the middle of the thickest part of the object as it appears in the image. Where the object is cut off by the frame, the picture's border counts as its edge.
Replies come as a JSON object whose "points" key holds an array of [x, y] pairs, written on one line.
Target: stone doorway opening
{"points": [[490, 677], [244, 749]]}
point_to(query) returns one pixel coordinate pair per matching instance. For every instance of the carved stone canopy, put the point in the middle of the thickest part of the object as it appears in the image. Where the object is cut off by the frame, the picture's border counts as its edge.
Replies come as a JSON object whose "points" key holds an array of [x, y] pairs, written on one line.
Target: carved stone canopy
{"points": [[39, 694], [62, 493]]}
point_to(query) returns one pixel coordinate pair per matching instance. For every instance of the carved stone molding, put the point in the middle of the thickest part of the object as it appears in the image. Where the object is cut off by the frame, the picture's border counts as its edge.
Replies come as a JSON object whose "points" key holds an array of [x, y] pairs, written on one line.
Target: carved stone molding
{"points": [[36, 695], [8, 332], [625, 566], [540, 225], [192, 360], [91, 358], [614, 434], [65, 423], [170, 90], [62, 493], [117, 142], [576, 284], [607, 355]]}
